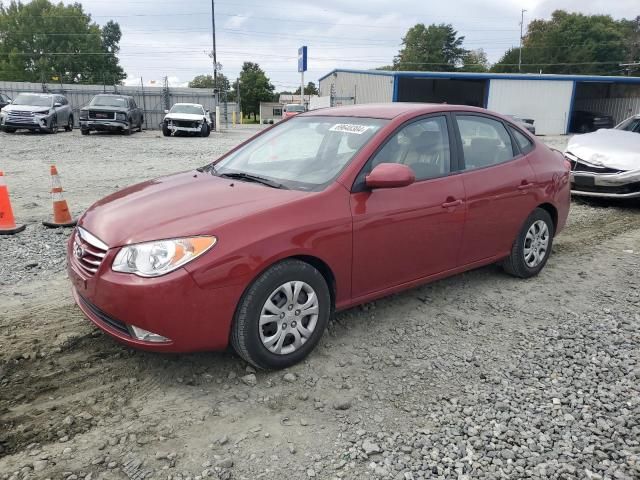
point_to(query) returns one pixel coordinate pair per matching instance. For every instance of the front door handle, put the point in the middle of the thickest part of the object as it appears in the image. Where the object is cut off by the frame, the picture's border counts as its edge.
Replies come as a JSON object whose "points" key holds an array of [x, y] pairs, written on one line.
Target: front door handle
{"points": [[453, 203], [525, 186]]}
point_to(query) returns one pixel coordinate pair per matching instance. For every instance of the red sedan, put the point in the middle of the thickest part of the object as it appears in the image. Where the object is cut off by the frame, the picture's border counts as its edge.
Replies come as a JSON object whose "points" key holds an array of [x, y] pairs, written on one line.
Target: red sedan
{"points": [[324, 211]]}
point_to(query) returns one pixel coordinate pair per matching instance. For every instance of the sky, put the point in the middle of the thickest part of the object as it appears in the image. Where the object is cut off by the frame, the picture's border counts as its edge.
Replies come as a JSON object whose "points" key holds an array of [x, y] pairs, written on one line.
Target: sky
{"points": [[173, 37]]}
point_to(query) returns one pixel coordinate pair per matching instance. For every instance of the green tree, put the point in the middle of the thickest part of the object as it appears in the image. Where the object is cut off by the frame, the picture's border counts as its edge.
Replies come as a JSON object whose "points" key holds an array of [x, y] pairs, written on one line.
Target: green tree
{"points": [[309, 89], [206, 81], [41, 41], [571, 43], [474, 61], [435, 48], [255, 87]]}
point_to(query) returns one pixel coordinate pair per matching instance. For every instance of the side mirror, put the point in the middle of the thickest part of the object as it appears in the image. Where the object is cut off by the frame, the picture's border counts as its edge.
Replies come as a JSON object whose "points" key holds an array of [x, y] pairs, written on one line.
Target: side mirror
{"points": [[390, 175], [166, 111], [57, 104]]}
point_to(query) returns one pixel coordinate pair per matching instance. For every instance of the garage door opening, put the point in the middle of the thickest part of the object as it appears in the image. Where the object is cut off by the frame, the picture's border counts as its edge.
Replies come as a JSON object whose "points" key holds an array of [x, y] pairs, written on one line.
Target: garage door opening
{"points": [[601, 104], [442, 90]]}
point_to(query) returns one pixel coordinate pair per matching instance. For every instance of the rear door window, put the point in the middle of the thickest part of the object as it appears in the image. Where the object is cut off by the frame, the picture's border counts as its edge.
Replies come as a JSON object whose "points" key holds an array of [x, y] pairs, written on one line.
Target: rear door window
{"points": [[485, 142]]}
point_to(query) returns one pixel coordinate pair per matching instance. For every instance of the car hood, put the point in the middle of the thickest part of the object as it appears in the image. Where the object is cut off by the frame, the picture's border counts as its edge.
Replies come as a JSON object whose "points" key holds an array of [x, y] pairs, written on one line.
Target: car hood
{"points": [[183, 116], [185, 204], [25, 108], [610, 148], [105, 109]]}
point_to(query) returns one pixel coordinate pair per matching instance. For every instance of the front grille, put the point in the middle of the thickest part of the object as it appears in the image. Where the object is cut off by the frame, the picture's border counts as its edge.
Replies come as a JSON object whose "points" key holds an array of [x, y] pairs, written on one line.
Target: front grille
{"points": [[185, 123], [88, 252], [104, 318], [618, 190], [16, 116], [99, 115]]}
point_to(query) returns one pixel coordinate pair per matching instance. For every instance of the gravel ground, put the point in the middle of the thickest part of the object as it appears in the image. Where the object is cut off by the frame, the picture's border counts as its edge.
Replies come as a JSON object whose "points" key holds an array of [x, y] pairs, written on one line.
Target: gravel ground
{"points": [[477, 376]]}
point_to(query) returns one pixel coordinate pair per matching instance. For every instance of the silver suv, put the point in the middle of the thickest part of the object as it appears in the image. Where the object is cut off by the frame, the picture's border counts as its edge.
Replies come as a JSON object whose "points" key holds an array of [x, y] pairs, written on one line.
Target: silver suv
{"points": [[44, 112]]}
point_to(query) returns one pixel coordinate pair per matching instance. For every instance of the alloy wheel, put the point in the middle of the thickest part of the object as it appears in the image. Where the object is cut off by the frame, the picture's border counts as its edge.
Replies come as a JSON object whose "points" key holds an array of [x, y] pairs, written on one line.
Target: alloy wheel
{"points": [[289, 317], [536, 243]]}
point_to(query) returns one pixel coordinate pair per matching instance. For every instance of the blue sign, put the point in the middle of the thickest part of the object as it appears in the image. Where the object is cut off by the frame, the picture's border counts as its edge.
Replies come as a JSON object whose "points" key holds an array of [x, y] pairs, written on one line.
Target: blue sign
{"points": [[302, 59]]}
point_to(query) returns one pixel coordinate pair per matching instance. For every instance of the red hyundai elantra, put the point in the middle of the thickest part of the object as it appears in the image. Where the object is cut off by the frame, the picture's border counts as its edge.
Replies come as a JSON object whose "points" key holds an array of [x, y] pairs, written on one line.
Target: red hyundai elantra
{"points": [[321, 212]]}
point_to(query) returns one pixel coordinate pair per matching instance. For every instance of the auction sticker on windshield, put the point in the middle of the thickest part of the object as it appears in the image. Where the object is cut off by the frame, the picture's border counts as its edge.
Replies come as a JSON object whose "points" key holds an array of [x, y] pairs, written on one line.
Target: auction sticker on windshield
{"points": [[350, 128]]}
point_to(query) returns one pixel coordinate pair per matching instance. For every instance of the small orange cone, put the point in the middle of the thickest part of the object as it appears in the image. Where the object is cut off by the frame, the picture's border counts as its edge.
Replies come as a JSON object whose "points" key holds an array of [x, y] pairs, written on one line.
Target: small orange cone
{"points": [[61, 214], [7, 221]]}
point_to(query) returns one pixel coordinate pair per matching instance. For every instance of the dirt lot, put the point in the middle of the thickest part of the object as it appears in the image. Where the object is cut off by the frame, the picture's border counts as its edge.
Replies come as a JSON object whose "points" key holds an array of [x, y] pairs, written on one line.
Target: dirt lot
{"points": [[477, 376]]}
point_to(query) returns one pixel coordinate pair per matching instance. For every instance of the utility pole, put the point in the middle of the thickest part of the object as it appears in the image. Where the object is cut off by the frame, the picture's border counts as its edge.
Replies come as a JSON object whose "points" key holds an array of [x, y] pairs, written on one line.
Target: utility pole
{"points": [[214, 55], [521, 34]]}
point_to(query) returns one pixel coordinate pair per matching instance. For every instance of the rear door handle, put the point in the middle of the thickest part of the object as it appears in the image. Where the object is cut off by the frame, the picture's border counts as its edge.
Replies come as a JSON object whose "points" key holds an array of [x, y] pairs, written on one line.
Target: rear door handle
{"points": [[525, 186], [454, 203]]}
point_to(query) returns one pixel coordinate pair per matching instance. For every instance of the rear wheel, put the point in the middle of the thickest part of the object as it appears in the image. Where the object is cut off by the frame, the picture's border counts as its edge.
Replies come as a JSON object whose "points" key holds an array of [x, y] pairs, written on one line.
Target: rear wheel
{"points": [[140, 124], [531, 250], [9, 130], [282, 315], [84, 131]]}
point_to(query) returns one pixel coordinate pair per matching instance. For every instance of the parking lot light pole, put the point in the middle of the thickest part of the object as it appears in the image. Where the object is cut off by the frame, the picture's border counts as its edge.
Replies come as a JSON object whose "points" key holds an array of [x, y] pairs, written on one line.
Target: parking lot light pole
{"points": [[521, 33]]}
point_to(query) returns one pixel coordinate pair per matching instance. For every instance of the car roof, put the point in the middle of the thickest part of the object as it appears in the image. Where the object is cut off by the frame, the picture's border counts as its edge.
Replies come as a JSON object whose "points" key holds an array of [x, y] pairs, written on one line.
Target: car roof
{"points": [[119, 95], [191, 104], [389, 110], [38, 94]]}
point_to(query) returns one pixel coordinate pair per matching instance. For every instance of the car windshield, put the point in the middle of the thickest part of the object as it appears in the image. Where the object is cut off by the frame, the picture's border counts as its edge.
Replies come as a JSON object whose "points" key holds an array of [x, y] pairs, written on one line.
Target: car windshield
{"points": [[190, 109], [108, 101], [295, 108], [305, 153], [630, 124], [34, 100]]}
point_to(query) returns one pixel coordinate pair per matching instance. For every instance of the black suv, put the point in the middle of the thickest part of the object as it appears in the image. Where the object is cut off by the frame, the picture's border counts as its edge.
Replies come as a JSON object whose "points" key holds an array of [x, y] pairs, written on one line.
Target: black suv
{"points": [[111, 112], [4, 100], [584, 122]]}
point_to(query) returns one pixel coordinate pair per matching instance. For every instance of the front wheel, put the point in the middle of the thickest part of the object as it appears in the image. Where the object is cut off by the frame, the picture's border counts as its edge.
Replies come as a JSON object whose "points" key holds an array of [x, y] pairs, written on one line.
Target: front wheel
{"points": [[129, 130], [84, 131], [165, 130], [282, 315], [531, 250], [9, 130], [53, 127], [69, 126], [205, 130]]}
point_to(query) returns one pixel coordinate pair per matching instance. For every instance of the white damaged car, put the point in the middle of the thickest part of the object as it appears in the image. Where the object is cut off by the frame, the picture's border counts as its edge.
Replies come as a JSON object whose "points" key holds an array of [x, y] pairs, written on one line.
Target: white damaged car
{"points": [[189, 118], [606, 163]]}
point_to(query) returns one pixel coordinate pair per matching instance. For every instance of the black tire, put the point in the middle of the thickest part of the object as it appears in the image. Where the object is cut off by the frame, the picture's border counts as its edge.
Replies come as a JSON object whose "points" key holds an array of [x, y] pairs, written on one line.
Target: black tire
{"points": [[84, 131], [69, 127], [140, 124], [9, 130], [245, 332], [516, 264], [165, 130], [205, 130], [129, 130]]}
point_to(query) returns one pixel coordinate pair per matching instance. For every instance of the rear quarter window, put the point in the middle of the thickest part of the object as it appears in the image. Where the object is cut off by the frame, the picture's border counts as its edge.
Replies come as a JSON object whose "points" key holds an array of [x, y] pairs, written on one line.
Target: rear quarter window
{"points": [[525, 144]]}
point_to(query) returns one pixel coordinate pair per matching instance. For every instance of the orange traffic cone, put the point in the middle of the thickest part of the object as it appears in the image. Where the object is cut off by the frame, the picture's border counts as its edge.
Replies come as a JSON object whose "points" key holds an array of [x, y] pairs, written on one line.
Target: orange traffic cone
{"points": [[7, 221], [61, 214]]}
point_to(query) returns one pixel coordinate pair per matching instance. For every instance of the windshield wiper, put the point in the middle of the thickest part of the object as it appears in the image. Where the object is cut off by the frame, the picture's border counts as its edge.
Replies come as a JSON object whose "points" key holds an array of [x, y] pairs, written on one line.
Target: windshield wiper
{"points": [[253, 178]]}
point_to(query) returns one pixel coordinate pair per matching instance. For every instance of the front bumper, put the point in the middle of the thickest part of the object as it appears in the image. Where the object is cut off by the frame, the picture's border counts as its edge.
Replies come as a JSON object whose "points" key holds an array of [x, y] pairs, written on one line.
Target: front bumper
{"points": [[174, 306], [33, 123], [606, 185], [173, 127], [103, 125]]}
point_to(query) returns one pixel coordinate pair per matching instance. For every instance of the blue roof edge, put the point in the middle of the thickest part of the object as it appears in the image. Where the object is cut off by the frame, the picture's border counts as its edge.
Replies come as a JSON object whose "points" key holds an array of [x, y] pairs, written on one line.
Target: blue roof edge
{"points": [[492, 76]]}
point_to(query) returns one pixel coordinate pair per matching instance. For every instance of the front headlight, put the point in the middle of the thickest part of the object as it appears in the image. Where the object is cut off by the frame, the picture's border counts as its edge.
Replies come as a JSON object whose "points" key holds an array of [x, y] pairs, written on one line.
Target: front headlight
{"points": [[153, 259], [121, 116]]}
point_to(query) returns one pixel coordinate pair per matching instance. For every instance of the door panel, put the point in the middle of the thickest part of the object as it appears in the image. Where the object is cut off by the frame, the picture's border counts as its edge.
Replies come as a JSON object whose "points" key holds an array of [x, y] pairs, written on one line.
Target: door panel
{"points": [[404, 234], [499, 186]]}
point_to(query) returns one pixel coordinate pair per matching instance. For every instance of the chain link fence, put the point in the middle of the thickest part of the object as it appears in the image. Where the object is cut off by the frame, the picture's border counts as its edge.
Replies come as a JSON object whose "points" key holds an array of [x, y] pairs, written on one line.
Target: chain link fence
{"points": [[153, 100]]}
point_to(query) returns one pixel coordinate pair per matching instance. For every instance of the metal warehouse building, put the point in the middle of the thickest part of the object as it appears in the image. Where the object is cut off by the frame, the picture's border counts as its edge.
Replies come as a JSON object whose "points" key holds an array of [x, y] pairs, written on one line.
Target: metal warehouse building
{"points": [[547, 99]]}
